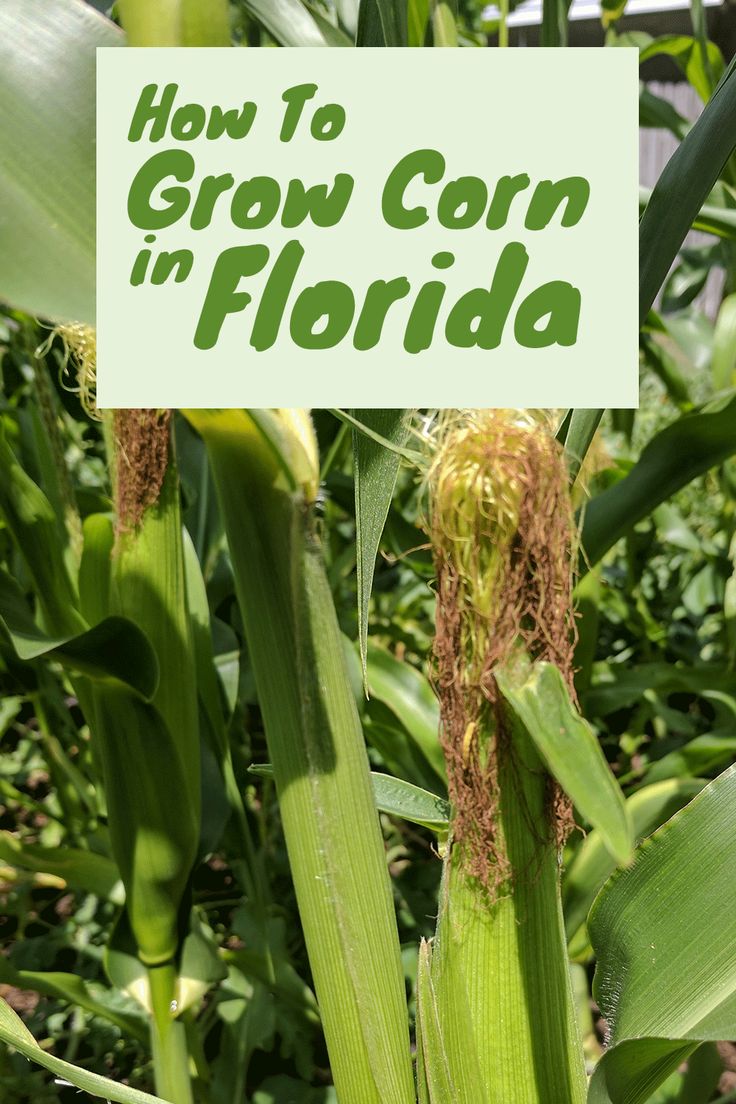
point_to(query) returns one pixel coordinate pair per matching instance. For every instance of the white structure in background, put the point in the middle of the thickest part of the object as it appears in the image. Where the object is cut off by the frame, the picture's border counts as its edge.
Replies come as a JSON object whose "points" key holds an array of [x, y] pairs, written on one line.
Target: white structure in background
{"points": [[655, 146], [529, 13]]}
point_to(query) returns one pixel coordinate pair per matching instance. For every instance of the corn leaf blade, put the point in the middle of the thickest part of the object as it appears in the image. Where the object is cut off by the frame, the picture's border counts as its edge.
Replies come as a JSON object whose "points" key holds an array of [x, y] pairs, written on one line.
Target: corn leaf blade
{"points": [[376, 469], [408, 694], [114, 648], [14, 1033], [678, 454], [47, 181], [397, 798], [569, 748], [664, 934], [576, 433], [84, 870], [73, 990], [289, 22], [683, 188], [710, 219], [434, 1078], [154, 830], [592, 864]]}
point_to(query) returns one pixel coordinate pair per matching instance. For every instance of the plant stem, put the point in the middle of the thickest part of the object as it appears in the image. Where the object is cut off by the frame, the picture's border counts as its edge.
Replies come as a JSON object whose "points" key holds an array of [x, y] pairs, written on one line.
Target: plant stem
{"points": [[168, 1038], [503, 25]]}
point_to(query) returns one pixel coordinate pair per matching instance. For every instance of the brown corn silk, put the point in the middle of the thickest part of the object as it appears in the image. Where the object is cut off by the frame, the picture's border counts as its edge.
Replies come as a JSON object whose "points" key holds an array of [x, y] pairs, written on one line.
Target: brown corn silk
{"points": [[142, 457], [501, 526], [141, 436]]}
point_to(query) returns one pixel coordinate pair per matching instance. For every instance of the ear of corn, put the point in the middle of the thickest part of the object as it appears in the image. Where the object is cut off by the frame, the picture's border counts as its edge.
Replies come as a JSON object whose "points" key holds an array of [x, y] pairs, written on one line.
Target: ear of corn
{"points": [[501, 526], [266, 483], [148, 586], [501, 966]]}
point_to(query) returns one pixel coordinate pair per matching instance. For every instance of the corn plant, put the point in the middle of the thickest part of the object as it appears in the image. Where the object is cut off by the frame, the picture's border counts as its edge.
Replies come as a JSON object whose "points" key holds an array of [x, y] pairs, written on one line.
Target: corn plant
{"points": [[109, 606]]}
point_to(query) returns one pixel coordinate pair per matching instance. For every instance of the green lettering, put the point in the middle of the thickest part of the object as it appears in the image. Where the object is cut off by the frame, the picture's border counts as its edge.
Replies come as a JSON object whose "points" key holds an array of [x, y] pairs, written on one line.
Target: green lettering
{"points": [[275, 295], [176, 163], [329, 299], [573, 191], [378, 298], [223, 297], [236, 124], [147, 111], [507, 188], [322, 206], [479, 316], [462, 203], [295, 99], [261, 193], [557, 301], [209, 192], [427, 163]]}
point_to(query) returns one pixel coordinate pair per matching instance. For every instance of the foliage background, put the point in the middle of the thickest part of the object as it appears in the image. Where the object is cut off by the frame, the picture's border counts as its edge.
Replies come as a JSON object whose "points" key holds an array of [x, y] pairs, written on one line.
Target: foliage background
{"points": [[656, 660]]}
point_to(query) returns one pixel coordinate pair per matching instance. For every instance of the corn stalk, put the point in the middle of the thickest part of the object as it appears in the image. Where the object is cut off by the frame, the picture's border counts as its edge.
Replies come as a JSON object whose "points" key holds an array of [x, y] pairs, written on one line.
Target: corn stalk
{"points": [[266, 470]]}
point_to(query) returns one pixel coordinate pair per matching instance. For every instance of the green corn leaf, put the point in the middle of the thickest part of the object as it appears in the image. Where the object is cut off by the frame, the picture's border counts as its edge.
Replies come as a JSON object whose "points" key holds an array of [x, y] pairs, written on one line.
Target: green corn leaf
{"points": [[409, 696], [154, 828], [611, 11], [370, 27], [710, 219], [570, 749], [383, 23], [656, 112], [47, 182], [417, 15], [199, 616], [115, 648], [316, 746], [576, 433], [664, 935], [176, 22], [679, 453], [412, 803], [723, 362], [592, 864], [683, 188], [434, 1078], [33, 525], [333, 35], [75, 991], [412, 455], [82, 870], [554, 22], [200, 965], [98, 538], [704, 755], [289, 22], [394, 22], [376, 470], [14, 1033], [396, 797], [703, 68]]}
